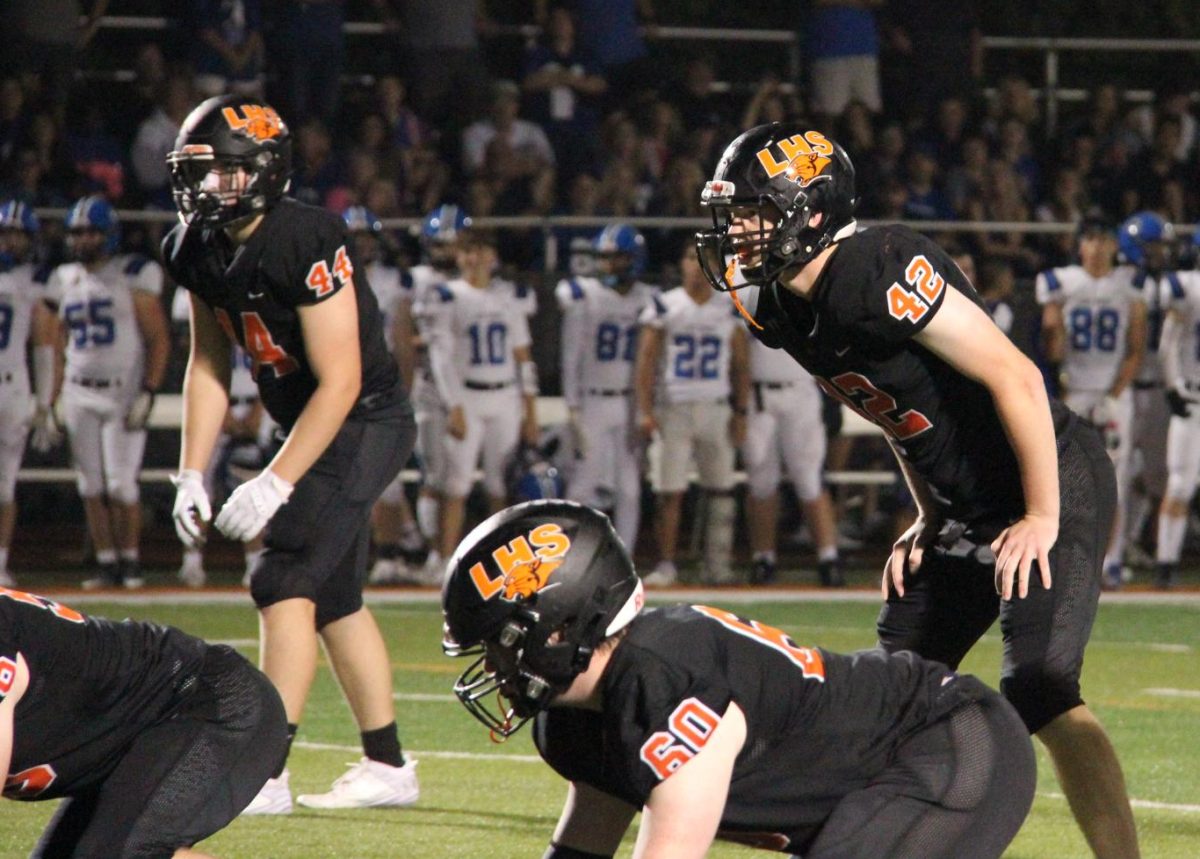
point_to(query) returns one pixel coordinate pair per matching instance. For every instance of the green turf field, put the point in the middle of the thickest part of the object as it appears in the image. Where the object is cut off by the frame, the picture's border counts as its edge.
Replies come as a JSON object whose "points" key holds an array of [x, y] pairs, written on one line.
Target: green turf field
{"points": [[482, 801]]}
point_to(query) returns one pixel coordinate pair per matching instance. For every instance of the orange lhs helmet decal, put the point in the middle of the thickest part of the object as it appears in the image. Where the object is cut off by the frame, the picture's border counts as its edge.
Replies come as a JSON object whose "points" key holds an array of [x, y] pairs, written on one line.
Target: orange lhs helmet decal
{"points": [[256, 121], [804, 168], [525, 564]]}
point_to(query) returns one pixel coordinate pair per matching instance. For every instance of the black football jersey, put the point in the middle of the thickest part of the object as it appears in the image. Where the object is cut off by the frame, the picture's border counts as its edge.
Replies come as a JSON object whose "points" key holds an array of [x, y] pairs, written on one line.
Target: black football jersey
{"points": [[94, 685], [819, 724], [298, 256], [879, 289]]}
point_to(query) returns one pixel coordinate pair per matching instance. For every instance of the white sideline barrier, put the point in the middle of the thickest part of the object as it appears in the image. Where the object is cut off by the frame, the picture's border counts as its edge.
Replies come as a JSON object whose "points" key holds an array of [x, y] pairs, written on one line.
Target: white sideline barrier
{"points": [[168, 414]]}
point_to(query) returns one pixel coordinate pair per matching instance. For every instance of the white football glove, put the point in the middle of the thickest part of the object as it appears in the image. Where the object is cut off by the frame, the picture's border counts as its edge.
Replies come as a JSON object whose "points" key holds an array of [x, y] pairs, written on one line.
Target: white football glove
{"points": [[252, 505], [1104, 416], [191, 503], [139, 410], [46, 433]]}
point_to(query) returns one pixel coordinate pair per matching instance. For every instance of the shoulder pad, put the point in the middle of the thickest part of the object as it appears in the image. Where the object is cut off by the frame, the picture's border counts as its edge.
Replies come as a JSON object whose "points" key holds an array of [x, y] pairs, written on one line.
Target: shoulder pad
{"points": [[1052, 282], [444, 292], [660, 306], [1176, 286]]}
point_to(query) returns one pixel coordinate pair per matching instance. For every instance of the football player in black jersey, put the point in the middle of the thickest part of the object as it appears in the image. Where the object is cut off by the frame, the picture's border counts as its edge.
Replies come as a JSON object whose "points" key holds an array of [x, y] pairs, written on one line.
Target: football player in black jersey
{"points": [[714, 725], [154, 739], [280, 279], [1015, 494]]}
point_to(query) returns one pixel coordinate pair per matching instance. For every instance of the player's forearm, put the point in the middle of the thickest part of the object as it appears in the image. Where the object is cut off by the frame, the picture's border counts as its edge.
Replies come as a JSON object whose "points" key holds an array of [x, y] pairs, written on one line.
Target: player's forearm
{"points": [[922, 495], [205, 401], [1024, 411], [1126, 373], [158, 351], [1168, 349], [318, 424]]}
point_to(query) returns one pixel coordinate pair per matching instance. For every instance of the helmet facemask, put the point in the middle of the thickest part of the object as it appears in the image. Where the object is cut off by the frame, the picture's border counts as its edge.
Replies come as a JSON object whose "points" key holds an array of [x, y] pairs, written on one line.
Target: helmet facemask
{"points": [[782, 239], [218, 191]]}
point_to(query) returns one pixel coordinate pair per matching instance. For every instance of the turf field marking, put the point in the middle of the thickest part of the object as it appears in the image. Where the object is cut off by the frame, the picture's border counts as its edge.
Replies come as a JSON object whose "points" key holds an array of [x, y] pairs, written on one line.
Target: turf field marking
{"points": [[429, 596], [425, 696], [1183, 807], [1173, 693]]}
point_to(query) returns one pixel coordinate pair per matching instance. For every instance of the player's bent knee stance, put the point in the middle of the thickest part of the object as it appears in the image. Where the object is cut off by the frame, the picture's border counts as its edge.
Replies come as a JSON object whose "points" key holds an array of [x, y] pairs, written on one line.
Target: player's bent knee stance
{"points": [[957, 789]]}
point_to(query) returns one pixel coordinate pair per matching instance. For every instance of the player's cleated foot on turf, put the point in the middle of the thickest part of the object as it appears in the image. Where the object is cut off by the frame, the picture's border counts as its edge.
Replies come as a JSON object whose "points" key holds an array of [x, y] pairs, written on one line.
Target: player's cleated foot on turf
{"points": [[275, 797], [385, 571], [131, 575], [663, 576], [1164, 576], [763, 572], [1112, 577], [192, 572], [830, 574], [107, 577], [369, 784]]}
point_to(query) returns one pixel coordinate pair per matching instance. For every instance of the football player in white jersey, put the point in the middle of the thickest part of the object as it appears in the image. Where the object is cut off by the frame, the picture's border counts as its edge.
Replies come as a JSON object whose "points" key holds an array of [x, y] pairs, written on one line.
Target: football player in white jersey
{"points": [[1145, 242], [240, 449], [440, 233], [476, 329], [398, 540], [785, 429], [1179, 352], [692, 383], [599, 343], [113, 333], [1094, 330], [24, 319]]}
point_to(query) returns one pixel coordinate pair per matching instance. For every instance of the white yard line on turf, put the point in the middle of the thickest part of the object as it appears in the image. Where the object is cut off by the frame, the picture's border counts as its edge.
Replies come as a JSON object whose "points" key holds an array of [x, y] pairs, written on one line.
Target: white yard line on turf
{"points": [[1185, 808], [424, 697], [426, 596], [1173, 693]]}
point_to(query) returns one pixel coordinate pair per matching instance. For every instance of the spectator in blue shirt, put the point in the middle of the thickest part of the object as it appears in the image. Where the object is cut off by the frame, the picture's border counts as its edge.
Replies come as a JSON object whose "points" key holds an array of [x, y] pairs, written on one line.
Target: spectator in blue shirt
{"points": [[562, 87], [843, 46], [228, 46]]}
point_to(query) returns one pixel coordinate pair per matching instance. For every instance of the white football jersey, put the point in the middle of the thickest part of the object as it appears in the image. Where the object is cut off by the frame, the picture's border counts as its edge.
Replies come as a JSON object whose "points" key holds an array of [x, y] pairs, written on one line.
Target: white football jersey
{"points": [[1186, 303], [390, 290], [1158, 294], [1096, 313], [473, 332], [20, 290], [600, 327], [696, 344], [775, 365], [103, 338]]}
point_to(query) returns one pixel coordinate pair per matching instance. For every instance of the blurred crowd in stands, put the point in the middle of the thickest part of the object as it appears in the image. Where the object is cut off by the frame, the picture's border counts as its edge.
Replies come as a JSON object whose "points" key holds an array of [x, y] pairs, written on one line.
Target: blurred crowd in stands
{"points": [[589, 118]]}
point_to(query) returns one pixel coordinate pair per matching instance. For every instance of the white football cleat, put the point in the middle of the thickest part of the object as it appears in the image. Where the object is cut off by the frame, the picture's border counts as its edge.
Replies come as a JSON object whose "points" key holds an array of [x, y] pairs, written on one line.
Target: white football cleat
{"points": [[369, 784], [386, 571], [664, 575], [275, 797]]}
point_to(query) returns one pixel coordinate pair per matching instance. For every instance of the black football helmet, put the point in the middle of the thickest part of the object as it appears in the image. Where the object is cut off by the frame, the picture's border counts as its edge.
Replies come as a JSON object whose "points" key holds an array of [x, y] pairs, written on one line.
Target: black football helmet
{"points": [[220, 135], [788, 174], [541, 584]]}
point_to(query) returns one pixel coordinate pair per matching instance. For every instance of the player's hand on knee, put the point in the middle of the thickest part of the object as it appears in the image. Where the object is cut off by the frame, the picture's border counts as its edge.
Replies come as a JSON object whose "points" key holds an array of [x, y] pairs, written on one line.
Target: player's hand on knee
{"points": [[47, 434], [192, 509], [908, 551], [456, 423], [252, 505], [139, 410], [1028, 539]]}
